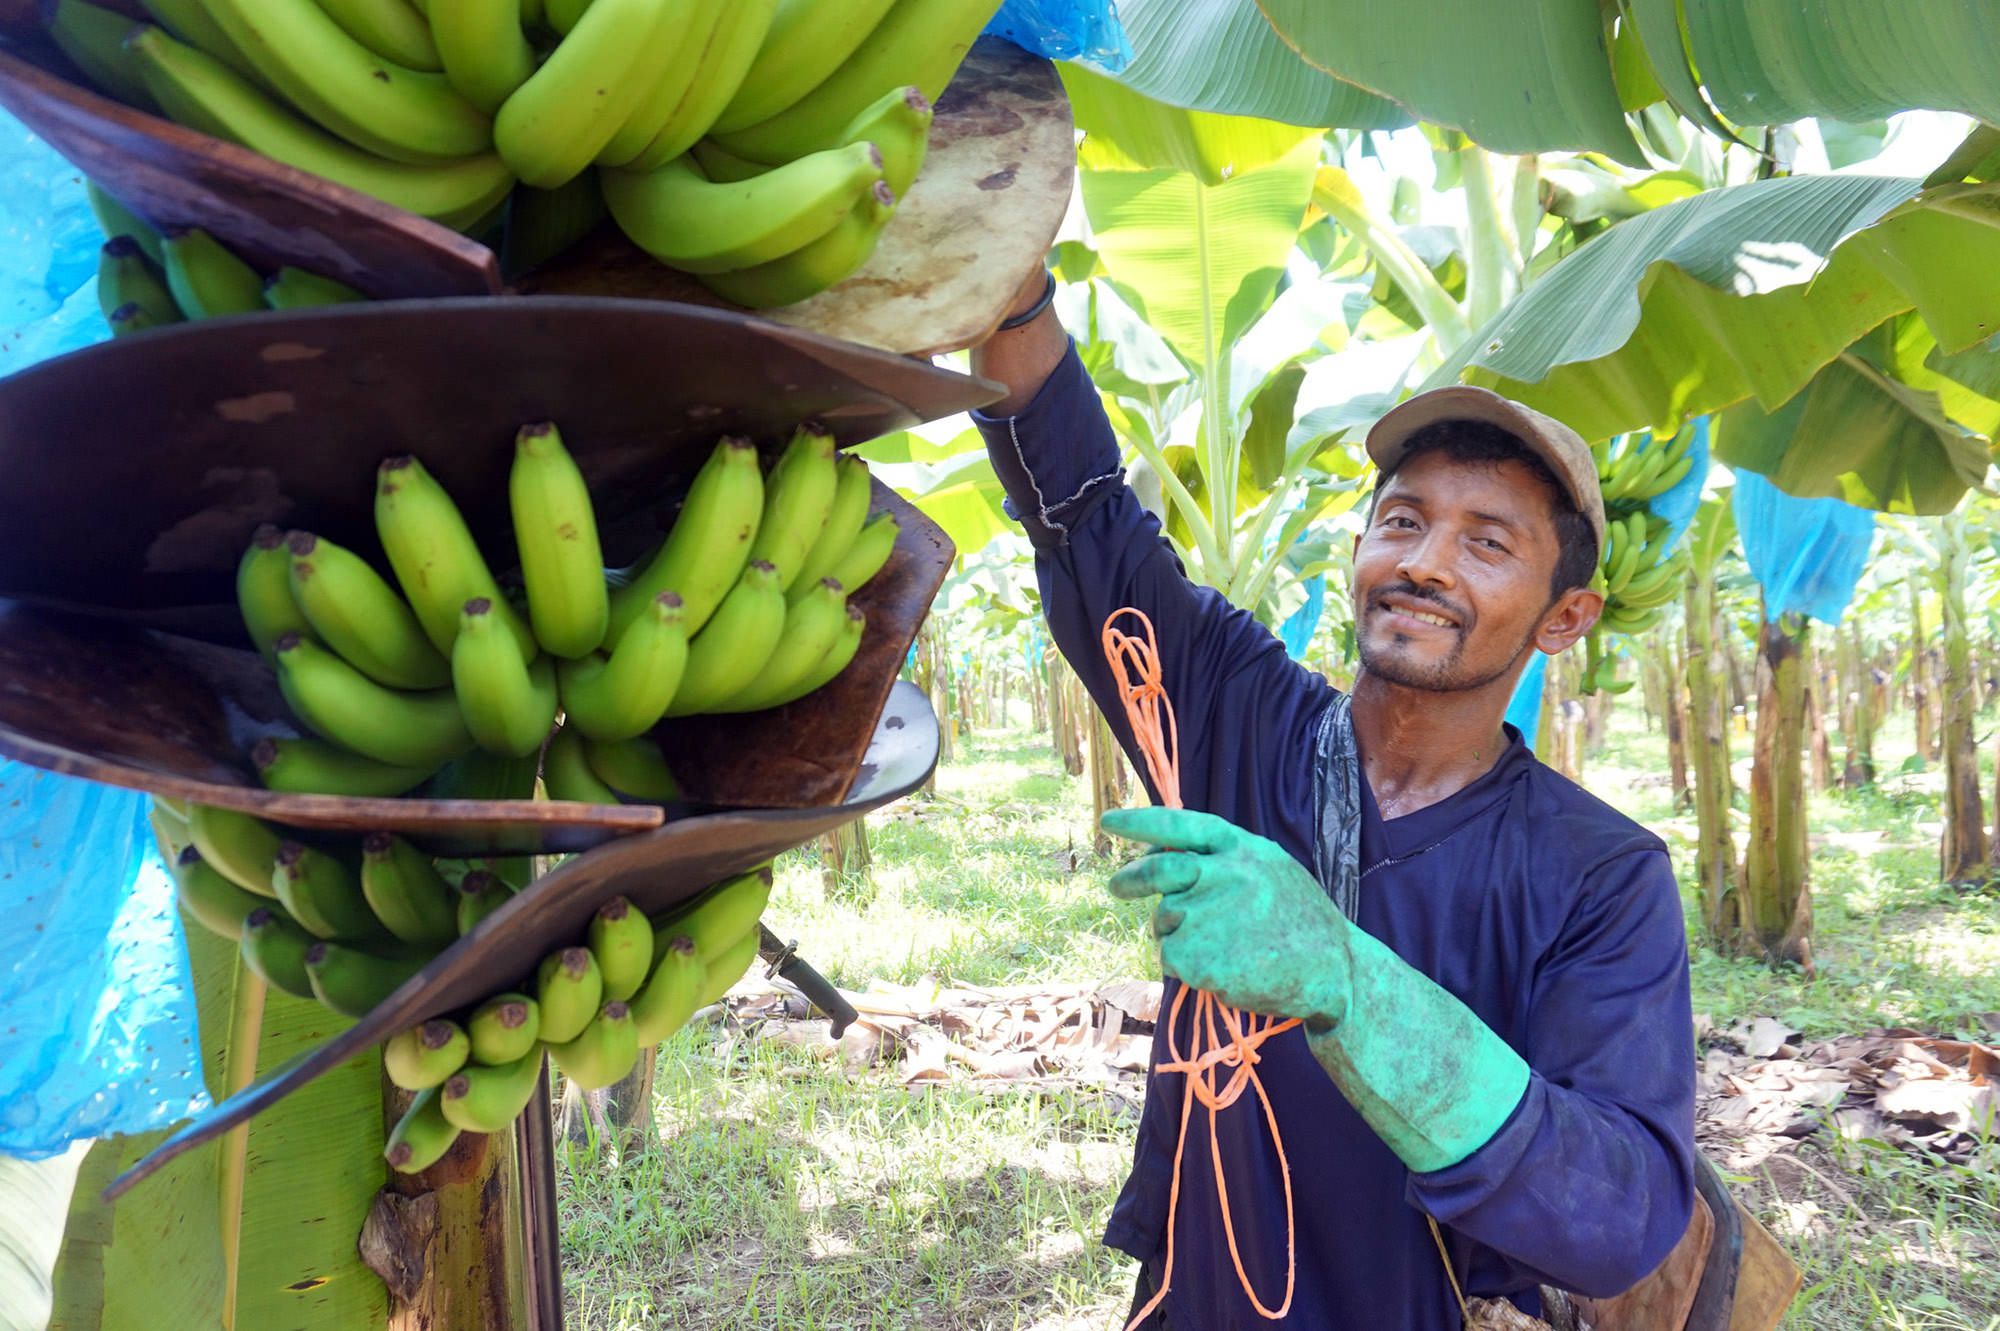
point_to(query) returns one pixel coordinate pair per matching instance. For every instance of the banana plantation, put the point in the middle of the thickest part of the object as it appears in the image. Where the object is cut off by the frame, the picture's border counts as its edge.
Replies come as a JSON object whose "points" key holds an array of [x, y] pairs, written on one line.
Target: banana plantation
{"points": [[600, 780]]}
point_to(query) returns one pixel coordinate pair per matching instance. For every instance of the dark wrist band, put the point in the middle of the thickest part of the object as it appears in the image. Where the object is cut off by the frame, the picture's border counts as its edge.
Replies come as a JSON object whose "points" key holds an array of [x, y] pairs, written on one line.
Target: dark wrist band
{"points": [[1029, 315]]}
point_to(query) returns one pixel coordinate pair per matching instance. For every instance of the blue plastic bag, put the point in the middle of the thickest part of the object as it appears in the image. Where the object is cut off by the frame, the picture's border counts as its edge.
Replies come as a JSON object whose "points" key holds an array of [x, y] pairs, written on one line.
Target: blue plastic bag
{"points": [[1807, 554], [1524, 710], [1297, 630], [1066, 30], [96, 1007]]}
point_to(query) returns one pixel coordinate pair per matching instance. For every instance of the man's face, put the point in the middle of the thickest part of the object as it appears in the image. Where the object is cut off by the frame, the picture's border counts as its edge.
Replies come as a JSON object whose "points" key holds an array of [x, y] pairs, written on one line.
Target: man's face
{"points": [[1451, 579]]}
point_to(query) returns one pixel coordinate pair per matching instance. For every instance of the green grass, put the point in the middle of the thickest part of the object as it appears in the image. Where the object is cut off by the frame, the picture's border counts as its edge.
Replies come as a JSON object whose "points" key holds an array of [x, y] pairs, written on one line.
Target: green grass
{"points": [[786, 1191]]}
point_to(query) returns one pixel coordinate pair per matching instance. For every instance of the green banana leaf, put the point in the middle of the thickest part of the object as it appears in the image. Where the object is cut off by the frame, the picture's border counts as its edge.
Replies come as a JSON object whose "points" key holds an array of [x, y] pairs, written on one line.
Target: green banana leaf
{"points": [[1223, 56], [1132, 132], [1712, 533], [1517, 78], [1738, 292], [256, 1230]]}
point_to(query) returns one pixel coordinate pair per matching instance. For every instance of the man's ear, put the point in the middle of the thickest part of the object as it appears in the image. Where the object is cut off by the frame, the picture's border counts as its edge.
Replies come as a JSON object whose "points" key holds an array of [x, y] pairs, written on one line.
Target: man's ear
{"points": [[1572, 616]]}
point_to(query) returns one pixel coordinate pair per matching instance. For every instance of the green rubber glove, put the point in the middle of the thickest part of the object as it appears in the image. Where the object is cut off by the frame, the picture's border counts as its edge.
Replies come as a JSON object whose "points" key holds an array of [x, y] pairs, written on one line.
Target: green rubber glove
{"points": [[1240, 918]]}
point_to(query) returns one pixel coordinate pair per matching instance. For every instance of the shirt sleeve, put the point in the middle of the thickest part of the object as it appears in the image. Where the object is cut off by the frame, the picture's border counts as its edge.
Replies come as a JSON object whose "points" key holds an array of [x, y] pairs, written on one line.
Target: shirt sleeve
{"points": [[1240, 704], [1590, 1184]]}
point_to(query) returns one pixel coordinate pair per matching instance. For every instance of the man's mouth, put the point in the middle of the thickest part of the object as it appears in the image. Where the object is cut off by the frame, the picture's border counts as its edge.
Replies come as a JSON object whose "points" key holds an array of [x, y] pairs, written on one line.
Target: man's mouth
{"points": [[1416, 611]]}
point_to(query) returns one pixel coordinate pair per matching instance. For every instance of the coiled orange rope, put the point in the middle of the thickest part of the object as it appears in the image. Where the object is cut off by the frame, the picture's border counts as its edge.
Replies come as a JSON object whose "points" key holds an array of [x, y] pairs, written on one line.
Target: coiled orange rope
{"points": [[1221, 1036]]}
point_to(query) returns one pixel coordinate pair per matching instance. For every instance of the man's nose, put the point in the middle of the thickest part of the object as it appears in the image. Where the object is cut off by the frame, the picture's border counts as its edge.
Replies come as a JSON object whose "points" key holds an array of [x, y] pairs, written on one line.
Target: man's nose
{"points": [[1428, 561]]}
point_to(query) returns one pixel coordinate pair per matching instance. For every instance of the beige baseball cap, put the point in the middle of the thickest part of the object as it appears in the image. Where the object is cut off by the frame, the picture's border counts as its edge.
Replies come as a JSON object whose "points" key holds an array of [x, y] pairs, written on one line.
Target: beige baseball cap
{"points": [[1548, 438]]}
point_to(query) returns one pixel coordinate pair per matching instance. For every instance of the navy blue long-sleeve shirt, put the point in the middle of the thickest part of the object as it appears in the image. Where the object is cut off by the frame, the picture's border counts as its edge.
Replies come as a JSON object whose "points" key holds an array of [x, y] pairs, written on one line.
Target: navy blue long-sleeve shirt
{"points": [[1552, 916]]}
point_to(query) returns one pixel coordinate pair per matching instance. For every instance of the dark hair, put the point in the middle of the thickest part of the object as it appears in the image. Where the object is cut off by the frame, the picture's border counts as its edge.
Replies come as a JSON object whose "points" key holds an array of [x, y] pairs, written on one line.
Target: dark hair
{"points": [[1479, 443]]}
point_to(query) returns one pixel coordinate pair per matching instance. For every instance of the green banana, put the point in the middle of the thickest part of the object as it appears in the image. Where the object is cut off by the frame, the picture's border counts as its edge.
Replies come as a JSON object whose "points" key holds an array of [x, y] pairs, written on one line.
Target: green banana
{"points": [[732, 46], [899, 125], [508, 706], [264, 590], [389, 28], [480, 893], [426, 1054], [482, 1099], [830, 665], [352, 982], [814, 268], [626, 693], [296, 289], [339, 703], [622, 941], [729, 966], [354, 610], [313, 767], [723, 166], [689, 222], [553, 126], [275, 948], [116, 220], [503, 1028], [214, 902], [125, 275], [717, 918], [667, 1001], [797, 498], [920, 42], [169, 827], [556, 530], [542, 223], [244, 849], [568, 988], [405, 891], [604, 1052], [94, 40], [201, 91], [435, 559], [633, 767], [403, 114], [421, 1136], [562, 15], [677, 79], [852, 492], [208, 281], [813, 624], [808, 41], [188, 22], [318, 891], [130, 318], [482, 48], [566, 773], [870, 551], [735, 645], [709, 544], [1676, 471]]}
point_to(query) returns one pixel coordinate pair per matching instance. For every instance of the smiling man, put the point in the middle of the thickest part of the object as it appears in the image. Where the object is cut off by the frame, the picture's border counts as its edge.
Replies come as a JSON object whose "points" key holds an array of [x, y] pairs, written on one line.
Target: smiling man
{"points": [[1489, 965]]}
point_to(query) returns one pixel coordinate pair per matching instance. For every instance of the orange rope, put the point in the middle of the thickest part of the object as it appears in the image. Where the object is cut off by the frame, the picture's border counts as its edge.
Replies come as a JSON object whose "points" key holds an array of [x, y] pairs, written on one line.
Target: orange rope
{"points": [[1221, 1036]]}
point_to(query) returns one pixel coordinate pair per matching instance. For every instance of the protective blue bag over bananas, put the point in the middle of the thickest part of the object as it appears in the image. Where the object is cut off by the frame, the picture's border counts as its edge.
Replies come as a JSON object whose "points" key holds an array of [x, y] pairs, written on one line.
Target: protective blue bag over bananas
{"points": [[760, 145]]}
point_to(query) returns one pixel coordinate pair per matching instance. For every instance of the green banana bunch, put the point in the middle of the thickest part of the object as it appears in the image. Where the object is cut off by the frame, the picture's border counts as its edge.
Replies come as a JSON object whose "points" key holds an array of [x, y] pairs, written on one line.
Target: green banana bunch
{"points": [[920, 42], [556, 530], [668, 1000], [125, 276], [218, 905], [94, 40], [206, 280], [708, 546], [732, 46], [199, 89], [426, 1055], [604, 1052], [700, 226], [622, 941], [626, 693], [553, 126], [1644, 468], [814, 268], [508, 706], [797, 498], [813, 624], [354, 611], [566, 772], [632, 768], [477, 1098], [504, 1028], [275, 948], [404, 890], [421, 1136], [435, 559], [352, 982], [844, 518], [674, 84], [322, 894], [241, 847], [391, 29], [312, 767], [568, 989], [264, 590], [736, 643], [807, 42], [339, 703], [296, 289]]}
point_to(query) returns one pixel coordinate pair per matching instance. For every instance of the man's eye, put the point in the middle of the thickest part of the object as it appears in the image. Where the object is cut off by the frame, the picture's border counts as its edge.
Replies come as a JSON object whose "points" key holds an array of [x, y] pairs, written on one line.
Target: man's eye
{"points": [[1492, 544]]}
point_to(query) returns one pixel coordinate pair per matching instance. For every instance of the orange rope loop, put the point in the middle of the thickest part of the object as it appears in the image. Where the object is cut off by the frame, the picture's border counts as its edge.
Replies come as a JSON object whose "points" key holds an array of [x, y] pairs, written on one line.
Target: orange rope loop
{"points": [[1221, 1037]]}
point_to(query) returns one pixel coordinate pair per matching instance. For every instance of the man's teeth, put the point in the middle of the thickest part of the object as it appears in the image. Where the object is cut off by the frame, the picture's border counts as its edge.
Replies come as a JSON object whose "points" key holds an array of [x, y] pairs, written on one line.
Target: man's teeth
{"points": [[1429, 618]]}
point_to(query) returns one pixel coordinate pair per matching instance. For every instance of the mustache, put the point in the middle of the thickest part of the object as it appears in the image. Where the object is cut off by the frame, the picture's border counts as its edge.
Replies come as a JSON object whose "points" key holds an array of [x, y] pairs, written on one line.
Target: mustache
{"points": [[1412, 592]]}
